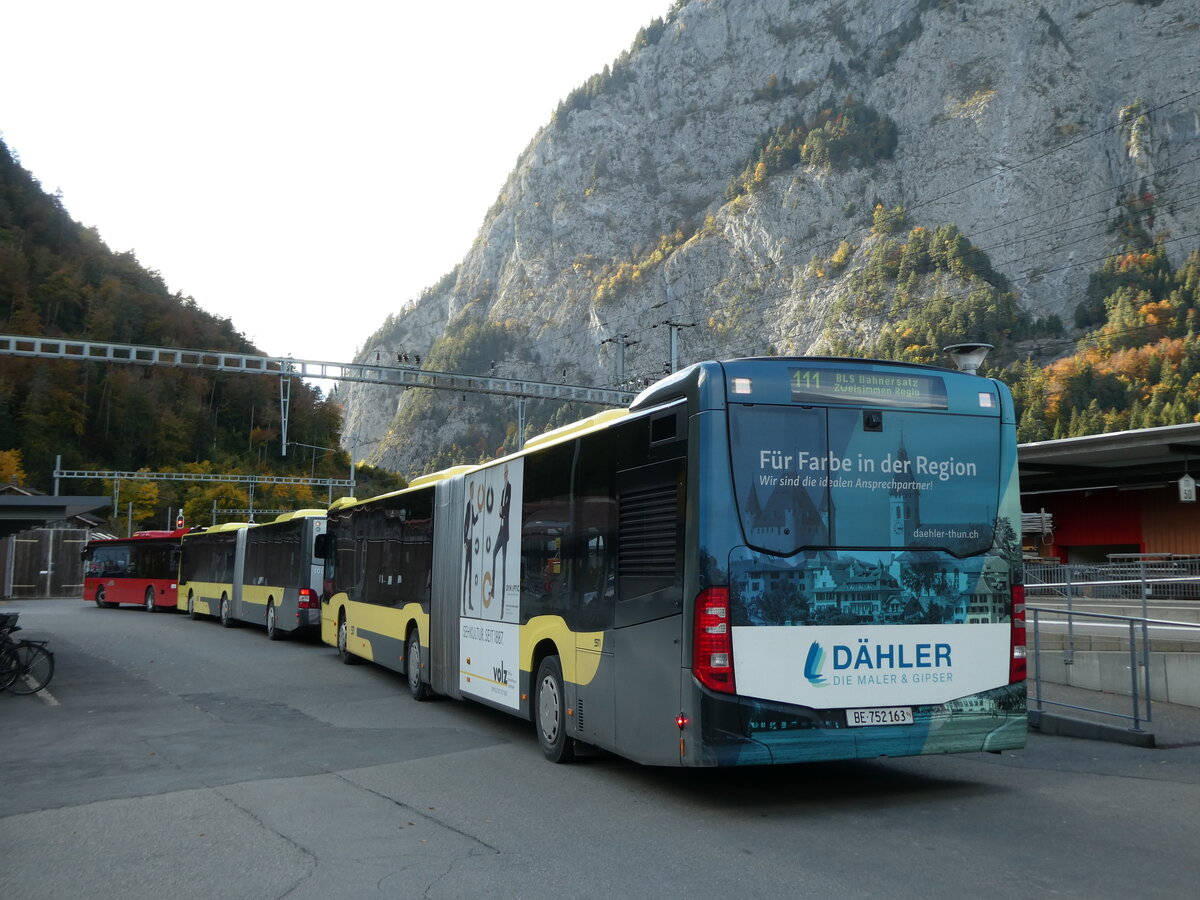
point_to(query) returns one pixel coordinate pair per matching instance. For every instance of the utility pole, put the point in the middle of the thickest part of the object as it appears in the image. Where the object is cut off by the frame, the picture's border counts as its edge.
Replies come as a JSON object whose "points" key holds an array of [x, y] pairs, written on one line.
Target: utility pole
{"points": [[622, 341], [674, 341], [285, 396]]}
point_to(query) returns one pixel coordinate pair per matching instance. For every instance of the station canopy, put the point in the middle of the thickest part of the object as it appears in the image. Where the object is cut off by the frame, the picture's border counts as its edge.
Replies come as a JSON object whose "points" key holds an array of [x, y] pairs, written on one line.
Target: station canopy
{"points": [[21, 512], [1128, 460]]}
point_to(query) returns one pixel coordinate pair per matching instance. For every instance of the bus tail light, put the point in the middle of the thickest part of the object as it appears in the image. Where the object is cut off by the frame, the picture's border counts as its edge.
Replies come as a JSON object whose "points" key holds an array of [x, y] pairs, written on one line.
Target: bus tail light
{"points": [[309, 599], [1017, 663], [712, 641]]}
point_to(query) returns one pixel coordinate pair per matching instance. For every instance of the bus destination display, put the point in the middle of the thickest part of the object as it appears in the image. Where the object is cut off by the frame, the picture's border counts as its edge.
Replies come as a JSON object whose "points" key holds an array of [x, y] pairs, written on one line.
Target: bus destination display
{"points": [[831, 385]]}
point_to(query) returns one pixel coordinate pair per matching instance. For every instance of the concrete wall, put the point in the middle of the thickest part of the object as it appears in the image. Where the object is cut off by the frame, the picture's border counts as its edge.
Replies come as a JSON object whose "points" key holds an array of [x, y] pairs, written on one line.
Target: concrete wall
{"points": [[1174, 677]]}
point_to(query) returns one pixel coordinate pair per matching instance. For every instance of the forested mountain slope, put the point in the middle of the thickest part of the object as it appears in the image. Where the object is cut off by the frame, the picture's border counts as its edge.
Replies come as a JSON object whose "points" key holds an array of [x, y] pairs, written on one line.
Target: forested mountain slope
{"points": [[58, 279]]}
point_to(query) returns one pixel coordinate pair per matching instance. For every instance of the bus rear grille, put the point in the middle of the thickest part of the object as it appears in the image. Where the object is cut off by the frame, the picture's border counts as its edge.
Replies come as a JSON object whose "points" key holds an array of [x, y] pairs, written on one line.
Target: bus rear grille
{"points": [[649, 532]]}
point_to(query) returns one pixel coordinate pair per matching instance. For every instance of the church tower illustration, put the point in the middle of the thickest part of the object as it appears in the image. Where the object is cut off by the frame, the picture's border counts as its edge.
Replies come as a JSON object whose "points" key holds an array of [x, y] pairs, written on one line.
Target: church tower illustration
{"points": [[904, 502]]}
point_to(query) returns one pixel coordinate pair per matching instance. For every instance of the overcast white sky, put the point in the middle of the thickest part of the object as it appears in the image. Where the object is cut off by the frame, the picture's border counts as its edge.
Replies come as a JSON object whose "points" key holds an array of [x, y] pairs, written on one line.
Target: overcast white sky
{"points": [[301, 168]]}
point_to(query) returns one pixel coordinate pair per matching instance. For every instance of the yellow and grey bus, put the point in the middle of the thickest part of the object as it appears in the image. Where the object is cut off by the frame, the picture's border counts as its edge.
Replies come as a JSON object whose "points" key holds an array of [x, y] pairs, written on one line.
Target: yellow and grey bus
{"points": [[760, 561], [263, 574], [209, 563]]}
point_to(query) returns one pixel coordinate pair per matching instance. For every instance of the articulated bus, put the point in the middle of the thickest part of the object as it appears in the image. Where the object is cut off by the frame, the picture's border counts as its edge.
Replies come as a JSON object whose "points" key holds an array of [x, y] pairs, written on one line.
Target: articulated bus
{"points": [[140, 570], [263, 574], [211, 561], [760, 561]]}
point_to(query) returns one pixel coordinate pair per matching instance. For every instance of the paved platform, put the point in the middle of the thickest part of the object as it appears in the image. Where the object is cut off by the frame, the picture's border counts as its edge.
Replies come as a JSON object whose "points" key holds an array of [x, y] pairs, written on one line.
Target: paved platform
{"points": [[1171, 724]]}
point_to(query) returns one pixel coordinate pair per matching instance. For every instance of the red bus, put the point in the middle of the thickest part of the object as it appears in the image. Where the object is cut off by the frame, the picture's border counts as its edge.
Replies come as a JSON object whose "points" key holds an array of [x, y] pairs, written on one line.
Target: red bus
{"points": [[141, 570]]}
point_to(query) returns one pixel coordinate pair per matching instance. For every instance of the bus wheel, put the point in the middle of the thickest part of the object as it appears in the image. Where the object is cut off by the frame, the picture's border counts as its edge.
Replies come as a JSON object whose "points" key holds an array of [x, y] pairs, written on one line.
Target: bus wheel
{"points": [[273, 633], [149, 599], [550, 712], [192, 614], [100, 601], [412, 668], [343, 639], [226, 613]]}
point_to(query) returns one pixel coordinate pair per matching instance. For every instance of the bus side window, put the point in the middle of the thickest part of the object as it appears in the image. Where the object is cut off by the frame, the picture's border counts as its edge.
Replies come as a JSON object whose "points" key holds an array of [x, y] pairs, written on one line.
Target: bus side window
{"points": [[596, 585], [543, 576], [546, 522], [594, 590]]}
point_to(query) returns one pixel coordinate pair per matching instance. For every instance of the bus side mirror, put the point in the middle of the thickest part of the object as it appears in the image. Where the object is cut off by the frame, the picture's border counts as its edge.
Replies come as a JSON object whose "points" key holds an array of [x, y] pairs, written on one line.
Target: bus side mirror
{"points": [[320, 545]]}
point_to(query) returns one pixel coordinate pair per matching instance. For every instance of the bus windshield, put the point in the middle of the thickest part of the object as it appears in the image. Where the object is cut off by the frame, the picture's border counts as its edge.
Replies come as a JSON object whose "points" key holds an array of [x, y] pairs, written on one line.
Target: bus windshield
{"points": [[812, 477]]}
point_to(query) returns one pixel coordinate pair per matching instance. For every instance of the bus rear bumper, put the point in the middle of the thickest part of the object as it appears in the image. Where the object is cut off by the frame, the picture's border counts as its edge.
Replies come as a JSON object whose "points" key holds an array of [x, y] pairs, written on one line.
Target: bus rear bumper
{"points": [[767, 734], [964, 735]]}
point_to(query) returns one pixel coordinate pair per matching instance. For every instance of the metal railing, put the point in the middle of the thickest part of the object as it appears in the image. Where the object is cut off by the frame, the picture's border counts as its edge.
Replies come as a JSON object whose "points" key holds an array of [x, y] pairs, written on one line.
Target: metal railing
{"points": [[1125, 577], [1141, 701]]}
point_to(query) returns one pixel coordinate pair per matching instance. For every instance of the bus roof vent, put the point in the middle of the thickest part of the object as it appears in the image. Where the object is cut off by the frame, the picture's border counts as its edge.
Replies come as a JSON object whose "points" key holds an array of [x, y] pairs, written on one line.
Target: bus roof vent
{"points": [[968, 357]]}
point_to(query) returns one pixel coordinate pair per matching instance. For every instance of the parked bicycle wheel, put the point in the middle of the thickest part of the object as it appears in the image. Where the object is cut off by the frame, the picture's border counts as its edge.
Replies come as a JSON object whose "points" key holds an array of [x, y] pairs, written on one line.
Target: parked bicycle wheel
{"points": [[8, 665], [34, 667]]}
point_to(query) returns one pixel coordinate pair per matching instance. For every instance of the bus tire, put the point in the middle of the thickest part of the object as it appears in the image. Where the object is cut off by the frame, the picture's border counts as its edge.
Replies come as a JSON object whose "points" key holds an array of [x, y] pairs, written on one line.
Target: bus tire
{"points": [[550, 712], [273, 632], [343, 641], [226, 613], [412, 668], [149, 604], [100, 601], [192, 614]]}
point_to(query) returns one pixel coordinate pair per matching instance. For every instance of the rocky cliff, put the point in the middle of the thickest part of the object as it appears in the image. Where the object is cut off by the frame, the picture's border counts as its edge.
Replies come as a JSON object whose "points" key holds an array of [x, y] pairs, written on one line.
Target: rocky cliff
{"points": [[653, 199]]}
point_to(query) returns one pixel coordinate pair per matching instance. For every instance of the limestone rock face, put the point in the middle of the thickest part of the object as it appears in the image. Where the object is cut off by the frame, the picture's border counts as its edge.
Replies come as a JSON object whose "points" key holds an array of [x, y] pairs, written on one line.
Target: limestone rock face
{"points": [[1008, 122]]}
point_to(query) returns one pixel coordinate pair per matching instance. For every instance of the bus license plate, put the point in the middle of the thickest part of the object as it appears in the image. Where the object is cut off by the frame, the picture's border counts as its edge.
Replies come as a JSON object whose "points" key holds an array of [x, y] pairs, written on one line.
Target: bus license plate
{"points": [[879, 715]]}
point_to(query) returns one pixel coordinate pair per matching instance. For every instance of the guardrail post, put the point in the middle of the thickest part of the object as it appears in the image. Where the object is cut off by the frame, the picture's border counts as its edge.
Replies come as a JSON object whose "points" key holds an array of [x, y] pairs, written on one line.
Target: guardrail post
{"points": [[1037, 660], [1069, 657], [1133, 672], [1145, 658]]}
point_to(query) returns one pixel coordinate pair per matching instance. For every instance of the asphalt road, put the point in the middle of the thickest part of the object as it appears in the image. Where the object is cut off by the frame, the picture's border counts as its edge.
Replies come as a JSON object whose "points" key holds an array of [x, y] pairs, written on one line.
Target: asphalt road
{"points": [[176, 759]]}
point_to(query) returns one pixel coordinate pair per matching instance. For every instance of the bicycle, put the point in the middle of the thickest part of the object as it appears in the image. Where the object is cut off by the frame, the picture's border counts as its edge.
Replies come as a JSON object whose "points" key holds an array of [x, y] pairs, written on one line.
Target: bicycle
{"points": [[26, 667]]}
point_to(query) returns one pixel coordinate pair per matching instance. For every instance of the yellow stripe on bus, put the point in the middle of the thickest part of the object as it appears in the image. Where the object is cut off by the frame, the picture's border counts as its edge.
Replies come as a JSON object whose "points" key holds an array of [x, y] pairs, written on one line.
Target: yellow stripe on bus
{"points": [[555, 629]]}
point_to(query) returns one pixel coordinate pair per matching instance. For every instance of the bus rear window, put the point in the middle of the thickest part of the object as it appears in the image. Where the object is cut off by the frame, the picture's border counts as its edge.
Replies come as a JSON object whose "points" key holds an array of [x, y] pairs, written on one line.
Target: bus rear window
{"points": [[813, 477]]}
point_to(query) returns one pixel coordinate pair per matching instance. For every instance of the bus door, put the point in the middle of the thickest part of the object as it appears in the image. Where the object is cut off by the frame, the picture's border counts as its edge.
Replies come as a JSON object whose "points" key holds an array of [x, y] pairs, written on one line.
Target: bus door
{"points": [[446, 587], [316, 565], [648, 634], [235, 567], [593, 592]]}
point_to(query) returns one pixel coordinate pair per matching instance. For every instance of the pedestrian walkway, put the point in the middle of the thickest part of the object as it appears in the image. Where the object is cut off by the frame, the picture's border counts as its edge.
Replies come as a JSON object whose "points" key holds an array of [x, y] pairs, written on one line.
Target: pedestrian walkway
{"points": [[1171, 724]]}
